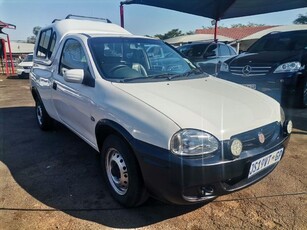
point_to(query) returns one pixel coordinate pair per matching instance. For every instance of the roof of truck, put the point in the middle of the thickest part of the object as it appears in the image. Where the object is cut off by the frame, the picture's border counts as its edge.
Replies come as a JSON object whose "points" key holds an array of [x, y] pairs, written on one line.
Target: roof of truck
{"points": [[72, 26]]}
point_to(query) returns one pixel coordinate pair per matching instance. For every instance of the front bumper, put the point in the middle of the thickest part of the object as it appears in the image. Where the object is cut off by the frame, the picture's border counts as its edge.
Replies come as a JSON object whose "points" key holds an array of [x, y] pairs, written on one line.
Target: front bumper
{"points": [[275, 85], [184, 180], [22, 71]]}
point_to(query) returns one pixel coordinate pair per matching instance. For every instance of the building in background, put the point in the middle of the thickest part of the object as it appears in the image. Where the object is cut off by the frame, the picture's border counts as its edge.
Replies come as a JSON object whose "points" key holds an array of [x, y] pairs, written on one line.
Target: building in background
{"points": [[19, 51]]}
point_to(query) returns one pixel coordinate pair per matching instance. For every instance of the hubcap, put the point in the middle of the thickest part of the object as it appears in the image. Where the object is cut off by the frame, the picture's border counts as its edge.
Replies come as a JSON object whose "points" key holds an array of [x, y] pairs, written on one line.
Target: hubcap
{"points": [[117, 171], [39, 114]]}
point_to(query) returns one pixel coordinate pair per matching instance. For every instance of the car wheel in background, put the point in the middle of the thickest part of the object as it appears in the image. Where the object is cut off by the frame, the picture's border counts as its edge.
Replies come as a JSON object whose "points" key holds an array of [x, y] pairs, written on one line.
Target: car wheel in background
{"points": [[122, 173], [43, 119]]}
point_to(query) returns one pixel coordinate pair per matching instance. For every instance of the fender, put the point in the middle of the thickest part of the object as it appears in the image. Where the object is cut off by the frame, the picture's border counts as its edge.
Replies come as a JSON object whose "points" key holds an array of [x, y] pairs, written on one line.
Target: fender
{"points": [[105, 127], [35, 94]]}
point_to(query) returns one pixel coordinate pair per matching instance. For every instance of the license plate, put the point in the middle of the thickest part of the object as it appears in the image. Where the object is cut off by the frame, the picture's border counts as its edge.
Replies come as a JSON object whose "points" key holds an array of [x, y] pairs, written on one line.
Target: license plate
{"points": [[265, 162], [252, 86]]}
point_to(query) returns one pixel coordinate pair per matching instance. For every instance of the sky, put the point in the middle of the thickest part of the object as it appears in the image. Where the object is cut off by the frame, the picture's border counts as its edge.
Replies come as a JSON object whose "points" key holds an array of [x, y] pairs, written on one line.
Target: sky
{"points": [[139, 19]]}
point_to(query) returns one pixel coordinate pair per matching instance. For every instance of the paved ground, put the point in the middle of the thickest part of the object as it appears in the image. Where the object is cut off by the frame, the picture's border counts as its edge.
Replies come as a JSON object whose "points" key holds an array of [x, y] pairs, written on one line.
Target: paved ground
{"points": [[53, 181]]}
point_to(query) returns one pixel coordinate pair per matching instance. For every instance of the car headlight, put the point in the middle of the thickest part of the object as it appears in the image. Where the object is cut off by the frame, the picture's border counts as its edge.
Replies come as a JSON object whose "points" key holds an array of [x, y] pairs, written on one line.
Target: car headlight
{"points": [[288, 67], [191, 142], [19, 67], [224, 67]]}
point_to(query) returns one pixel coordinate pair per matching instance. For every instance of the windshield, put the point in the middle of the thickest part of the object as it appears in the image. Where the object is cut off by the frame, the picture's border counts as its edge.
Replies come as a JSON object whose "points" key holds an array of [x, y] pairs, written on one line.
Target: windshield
{"points": [[28, 58], [281, 41], [137, 59]]}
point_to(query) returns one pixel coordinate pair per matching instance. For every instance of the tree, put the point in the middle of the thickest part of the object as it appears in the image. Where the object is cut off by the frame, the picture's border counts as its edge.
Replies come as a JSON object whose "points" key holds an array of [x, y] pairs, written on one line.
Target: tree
{"points": [[238, 25], [35, 31], [301, 19], [190, 32], [250, 24], [170, 34]]}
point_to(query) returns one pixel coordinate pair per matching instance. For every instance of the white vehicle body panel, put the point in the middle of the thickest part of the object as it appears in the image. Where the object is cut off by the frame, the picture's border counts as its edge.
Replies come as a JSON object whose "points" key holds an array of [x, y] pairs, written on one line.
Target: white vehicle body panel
{"points": [[209, 104], [20, 67]]}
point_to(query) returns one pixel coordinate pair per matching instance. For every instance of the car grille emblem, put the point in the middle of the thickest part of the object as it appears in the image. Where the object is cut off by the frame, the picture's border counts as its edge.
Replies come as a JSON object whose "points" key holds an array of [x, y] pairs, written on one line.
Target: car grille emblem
{"points": [[261, 137], [246, 70]]}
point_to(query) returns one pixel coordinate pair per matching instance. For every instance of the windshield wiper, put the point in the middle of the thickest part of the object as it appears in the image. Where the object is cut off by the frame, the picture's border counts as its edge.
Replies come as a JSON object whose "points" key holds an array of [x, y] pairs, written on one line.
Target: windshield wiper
{"points": [[163, 75], [168, 76], [132, 79], [195, 71]]}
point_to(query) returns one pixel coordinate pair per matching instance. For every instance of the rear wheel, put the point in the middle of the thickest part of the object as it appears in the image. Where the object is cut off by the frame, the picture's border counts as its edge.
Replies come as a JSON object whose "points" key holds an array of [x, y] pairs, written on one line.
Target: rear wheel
{"points": [[43, 119], [122, 173]]}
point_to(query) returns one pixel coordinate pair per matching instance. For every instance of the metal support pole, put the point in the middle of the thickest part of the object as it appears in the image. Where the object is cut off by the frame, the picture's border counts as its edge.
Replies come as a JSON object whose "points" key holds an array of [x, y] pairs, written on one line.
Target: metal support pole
{"points": [[10, 52], [215, 30], [2, 54], [5, 58], [122, 23]]}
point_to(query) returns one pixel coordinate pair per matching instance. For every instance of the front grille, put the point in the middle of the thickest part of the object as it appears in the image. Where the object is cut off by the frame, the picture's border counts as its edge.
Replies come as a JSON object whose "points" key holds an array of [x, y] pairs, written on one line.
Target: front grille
{"points": [[250, 71], [250, 139]]}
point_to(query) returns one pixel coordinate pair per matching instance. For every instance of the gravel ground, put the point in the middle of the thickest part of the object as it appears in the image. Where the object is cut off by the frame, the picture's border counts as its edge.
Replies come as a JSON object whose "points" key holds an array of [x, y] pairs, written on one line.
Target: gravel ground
{"points": [[52, 180]]}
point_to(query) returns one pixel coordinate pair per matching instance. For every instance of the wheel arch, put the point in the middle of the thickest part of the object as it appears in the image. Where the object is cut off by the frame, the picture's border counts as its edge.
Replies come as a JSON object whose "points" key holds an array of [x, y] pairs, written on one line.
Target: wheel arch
{"points": [[35, 94], [106, 127]]}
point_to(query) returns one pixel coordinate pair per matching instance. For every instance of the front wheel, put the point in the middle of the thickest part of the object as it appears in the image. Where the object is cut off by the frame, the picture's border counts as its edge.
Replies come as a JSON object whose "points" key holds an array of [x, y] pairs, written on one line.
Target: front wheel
{"points": [[43, 119], [122, 173]]}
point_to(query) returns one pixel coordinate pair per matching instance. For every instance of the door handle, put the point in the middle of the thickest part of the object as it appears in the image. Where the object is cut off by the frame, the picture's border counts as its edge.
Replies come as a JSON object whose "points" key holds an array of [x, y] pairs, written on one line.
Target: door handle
{"points": [[54, 85]]}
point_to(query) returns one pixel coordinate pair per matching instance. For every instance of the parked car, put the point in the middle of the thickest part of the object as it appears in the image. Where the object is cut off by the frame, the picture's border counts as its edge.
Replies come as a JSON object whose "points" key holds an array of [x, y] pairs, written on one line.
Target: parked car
{"points": [[275, 65], [23, 68], [162, 127], [208, 55]]}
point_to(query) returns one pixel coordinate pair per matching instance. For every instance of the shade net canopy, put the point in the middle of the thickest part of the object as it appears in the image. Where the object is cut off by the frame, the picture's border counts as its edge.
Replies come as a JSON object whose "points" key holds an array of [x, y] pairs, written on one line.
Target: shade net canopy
{"points": [[223, 9]]}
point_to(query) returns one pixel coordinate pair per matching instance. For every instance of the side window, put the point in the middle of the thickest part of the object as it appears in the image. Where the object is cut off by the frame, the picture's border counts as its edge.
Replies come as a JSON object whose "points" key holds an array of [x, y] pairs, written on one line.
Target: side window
{"points": [[52, 44], [46, 44], [224, 50], [44, 39], [212, 51], [73, 56], [232, 51], [185, 49]]}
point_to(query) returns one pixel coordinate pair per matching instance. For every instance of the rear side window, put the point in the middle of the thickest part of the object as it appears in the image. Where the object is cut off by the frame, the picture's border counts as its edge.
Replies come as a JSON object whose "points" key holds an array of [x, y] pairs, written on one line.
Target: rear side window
{"points": [[212, 51], [193, 51], [232, 51], [224, 51], [46, 44]]}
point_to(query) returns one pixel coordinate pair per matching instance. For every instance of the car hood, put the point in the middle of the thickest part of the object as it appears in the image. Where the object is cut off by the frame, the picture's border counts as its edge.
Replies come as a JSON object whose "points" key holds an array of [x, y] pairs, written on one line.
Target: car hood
{"points": [[219, 107], [265, 58]]}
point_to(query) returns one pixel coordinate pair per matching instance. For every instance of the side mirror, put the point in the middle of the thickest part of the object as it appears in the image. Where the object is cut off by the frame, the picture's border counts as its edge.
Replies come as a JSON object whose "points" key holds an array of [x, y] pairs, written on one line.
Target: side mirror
{"points": [[73, 75]]}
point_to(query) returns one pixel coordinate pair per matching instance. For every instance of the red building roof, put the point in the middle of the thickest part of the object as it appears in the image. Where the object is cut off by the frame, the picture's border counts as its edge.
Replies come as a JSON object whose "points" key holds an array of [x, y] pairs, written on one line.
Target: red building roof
{"points": [[235, 33]]}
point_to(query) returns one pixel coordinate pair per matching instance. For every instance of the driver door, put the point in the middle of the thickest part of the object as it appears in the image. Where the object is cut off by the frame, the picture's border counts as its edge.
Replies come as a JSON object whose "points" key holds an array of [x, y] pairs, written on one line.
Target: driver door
{"points": [[73, 101]]}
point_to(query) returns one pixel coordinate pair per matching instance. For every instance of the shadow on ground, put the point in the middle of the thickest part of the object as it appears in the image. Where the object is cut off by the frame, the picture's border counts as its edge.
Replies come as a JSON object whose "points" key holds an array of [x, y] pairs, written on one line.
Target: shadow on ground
{"points": [[18, 77], [62, 171]]}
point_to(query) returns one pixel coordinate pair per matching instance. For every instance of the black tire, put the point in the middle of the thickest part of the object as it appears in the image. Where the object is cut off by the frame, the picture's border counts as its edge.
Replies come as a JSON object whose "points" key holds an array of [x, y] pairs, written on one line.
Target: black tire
{"points": [[301, 93], [122, 173], [44, 121]]}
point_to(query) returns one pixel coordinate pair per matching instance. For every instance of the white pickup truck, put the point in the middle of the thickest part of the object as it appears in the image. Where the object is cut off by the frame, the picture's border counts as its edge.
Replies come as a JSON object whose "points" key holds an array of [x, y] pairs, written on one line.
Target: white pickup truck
{"points": [[163, 127]]}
